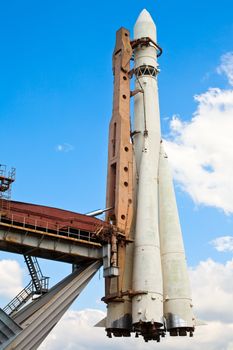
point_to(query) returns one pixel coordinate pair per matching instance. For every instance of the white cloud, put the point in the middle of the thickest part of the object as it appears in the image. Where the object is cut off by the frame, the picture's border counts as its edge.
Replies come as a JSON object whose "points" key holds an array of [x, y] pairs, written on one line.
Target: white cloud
{"points": [[176, 124], [212, 285], [64, 147], [11, 277], [212, 288], [77, 326], [200, 151], [226, 66], [75, 332], [223, 244]]}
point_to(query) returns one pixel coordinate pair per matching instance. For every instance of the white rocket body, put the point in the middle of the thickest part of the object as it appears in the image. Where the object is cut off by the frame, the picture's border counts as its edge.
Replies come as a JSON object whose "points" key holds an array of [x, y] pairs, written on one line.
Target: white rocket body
{"points": [[177, 295], [147, 304], [160, 277]]}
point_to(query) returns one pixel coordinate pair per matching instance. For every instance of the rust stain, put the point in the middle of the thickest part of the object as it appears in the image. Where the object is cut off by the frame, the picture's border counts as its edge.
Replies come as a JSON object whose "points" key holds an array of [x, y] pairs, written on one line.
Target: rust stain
{"points": [[56, 218]]}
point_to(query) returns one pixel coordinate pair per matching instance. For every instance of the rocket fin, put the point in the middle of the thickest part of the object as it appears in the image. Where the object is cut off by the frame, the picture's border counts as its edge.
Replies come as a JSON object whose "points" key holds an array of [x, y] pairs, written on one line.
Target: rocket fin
{"points": [[200, 323], [101, 323]]}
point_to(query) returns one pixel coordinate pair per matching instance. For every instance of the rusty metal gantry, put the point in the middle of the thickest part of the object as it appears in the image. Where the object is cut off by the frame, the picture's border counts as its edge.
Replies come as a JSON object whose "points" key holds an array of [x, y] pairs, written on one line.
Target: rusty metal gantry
{"points": [[55, 234], [83, 241], [50, 233]]}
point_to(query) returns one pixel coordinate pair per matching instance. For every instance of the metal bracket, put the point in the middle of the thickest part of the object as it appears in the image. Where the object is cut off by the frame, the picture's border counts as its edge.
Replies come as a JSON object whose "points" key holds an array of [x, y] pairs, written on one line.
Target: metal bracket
{"points": [[146, 41], [135, 92]]}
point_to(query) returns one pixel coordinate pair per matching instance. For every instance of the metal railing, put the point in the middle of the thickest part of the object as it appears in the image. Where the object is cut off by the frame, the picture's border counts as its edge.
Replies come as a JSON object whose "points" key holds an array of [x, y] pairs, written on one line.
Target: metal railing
{"points": [[40, 282], [44, 284], [42, 226], [25, 294], [10, 174], [21, 298]]}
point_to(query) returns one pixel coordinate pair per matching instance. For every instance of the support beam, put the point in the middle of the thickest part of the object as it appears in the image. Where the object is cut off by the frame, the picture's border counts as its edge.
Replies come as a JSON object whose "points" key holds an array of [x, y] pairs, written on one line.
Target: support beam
{"points": [[120, 194], [46, 315], [48, 247], [8, 328]]}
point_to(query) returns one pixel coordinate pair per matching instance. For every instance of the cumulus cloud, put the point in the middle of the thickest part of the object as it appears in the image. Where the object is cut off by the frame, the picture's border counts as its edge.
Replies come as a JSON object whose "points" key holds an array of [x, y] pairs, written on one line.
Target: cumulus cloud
{"points": [[176, 124], [77, 326], [226, 66], [212, 287], [11, 277], [64, 147], [200, 150], [223, 244], [75, 332]]}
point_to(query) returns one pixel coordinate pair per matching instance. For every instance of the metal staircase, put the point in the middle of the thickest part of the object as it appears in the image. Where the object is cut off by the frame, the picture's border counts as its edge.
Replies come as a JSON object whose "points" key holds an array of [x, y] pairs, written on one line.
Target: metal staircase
{"points": [[39, 281], [38, 285], [20, 299]]}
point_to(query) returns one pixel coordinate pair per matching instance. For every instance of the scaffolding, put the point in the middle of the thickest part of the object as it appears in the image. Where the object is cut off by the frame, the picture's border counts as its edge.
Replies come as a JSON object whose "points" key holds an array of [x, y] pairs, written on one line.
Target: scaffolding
{"points": [[6, 180]]}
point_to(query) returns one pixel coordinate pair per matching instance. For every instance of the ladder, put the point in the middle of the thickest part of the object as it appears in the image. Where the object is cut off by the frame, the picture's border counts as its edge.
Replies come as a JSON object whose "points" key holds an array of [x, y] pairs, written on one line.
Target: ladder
{"points": [[20, 299], [38, 285], [35, 272]]}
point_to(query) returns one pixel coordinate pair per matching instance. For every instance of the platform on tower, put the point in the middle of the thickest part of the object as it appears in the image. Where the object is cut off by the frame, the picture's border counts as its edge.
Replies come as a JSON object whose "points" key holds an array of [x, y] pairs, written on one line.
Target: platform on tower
{"points": [[51, 233]]}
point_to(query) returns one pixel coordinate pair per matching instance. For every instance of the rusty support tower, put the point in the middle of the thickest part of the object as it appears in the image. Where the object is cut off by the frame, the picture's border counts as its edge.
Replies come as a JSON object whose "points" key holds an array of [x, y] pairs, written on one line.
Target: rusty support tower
{"points": [[6, 180]]}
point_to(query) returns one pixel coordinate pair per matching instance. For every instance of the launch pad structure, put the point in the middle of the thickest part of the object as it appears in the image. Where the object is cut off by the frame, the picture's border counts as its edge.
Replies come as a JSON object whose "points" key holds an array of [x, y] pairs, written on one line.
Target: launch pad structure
{"points": [[139, 243]]}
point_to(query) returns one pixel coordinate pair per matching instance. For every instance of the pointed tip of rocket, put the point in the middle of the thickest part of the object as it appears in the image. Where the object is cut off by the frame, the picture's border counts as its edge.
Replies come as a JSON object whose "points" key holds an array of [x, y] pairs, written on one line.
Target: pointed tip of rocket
{"points": [[145, 26], [162, 152], [144, 17]]}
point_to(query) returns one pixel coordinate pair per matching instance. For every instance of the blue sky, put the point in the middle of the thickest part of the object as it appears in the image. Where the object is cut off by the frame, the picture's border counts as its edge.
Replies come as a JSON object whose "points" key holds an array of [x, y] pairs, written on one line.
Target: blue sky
{"points": [[56, 101]]}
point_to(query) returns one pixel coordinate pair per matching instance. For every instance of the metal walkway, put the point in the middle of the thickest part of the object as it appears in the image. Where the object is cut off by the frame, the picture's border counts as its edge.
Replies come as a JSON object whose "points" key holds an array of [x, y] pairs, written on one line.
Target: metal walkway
{"points": [[51, 233]]}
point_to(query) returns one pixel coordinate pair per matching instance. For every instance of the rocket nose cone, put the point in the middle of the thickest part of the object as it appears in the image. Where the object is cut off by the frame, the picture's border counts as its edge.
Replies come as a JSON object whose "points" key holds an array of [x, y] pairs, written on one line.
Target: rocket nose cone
{"points": [[145, 26], [144, 17]]}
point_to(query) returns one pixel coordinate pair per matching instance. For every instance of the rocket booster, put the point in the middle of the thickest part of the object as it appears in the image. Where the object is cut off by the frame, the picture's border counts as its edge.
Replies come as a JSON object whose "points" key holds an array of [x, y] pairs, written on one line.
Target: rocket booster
{"points": [[160, 278], [177, 294]]}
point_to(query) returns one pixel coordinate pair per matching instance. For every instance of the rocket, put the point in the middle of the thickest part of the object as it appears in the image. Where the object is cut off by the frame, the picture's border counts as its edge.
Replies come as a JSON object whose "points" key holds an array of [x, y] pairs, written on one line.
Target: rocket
{"points": [[147, 303], [147, 286]]}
